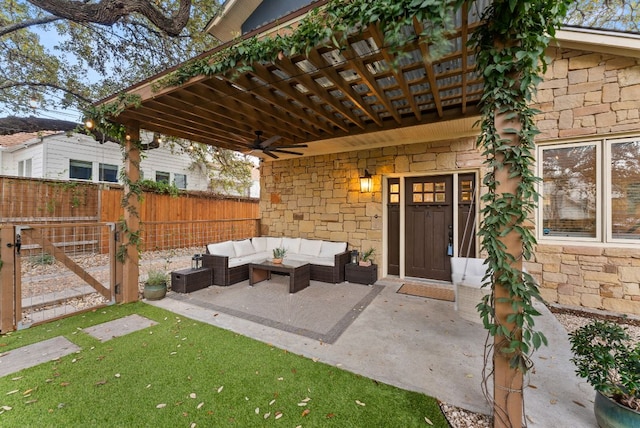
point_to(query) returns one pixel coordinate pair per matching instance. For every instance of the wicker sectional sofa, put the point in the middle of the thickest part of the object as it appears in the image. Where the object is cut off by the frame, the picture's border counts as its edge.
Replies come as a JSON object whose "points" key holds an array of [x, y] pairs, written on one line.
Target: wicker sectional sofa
{"points": [[230, 259]]}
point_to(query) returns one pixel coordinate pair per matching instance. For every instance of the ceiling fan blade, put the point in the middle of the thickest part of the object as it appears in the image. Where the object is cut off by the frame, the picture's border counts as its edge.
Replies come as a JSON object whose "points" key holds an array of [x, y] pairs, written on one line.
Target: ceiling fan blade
{"points": [[289, 152], [268, 152], [269, 141], [292, 146]]}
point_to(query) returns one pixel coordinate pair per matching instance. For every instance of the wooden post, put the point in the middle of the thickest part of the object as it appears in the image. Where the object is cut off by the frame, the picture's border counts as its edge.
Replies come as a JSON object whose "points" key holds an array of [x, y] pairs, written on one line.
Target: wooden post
{"points": [[129, 292], [507, 381], [7, 286]]}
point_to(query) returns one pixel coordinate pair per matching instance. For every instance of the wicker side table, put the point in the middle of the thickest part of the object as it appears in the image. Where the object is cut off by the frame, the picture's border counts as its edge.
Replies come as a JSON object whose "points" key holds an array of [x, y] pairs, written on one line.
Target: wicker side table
{"points": [[353, 272], [188, 280]]}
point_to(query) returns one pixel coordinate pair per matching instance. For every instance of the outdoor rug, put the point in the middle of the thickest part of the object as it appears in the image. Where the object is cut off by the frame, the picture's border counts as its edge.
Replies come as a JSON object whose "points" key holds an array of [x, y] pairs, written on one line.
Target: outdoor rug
{"points": [[431, 291], [321, 311]]}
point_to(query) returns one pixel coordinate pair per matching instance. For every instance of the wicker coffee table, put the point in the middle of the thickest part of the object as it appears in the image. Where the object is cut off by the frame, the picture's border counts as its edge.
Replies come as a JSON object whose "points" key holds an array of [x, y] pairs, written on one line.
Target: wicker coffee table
{"points": [[299, 273]]}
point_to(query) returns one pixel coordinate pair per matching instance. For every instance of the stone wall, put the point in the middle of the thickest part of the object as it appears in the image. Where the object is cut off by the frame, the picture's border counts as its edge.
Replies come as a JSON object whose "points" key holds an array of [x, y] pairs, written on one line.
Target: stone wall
{"points": [[587, 95], [593, 277], [319, 197]]}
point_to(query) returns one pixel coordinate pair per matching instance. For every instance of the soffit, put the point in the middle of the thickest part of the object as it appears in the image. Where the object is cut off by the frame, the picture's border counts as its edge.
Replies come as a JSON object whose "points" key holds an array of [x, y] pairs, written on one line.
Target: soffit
{"points": [[227, 24], [328, 99]]}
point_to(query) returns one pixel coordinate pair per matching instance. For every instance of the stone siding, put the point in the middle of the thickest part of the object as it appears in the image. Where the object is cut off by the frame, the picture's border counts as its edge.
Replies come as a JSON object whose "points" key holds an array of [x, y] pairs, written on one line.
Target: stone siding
{"points": [[319, 197], [589, 95]]}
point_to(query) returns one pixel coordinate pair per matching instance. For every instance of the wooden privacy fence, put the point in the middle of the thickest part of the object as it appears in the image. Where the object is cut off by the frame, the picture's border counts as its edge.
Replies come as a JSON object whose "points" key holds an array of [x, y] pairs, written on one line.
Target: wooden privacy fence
{"points": [[36, 200]]}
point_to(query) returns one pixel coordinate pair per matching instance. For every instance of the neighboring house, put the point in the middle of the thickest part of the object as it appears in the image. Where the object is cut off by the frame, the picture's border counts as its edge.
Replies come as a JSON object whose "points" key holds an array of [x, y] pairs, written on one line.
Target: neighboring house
{"points": [[73, 156], [413, 131]]}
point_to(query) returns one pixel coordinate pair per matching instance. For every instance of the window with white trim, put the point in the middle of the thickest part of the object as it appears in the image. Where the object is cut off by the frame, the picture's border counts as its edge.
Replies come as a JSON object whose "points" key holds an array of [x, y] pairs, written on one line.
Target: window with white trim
{"points": [[81, 170], [24, 168], [590, 191], [162, 177], [180, 180], [108, 173]]}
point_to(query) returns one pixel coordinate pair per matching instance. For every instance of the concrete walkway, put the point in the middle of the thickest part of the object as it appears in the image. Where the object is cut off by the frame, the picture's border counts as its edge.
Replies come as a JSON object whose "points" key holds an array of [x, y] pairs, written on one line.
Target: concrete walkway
{"points": [[411, 342]]}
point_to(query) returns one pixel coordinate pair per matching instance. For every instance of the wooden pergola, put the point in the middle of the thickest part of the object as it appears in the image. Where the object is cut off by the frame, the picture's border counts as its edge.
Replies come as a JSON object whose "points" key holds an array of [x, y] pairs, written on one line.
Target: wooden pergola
{"points": [[326, 98]]}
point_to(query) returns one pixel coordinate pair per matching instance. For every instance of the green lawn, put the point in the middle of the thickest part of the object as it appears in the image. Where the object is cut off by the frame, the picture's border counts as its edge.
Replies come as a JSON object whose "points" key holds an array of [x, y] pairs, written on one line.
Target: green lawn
{"points": [[183, 373]]}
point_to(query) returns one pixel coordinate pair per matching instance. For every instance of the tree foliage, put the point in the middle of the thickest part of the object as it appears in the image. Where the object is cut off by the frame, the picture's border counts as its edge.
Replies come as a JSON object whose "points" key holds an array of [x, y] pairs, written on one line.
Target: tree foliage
{"points": [[618, 15], [66, 54]]}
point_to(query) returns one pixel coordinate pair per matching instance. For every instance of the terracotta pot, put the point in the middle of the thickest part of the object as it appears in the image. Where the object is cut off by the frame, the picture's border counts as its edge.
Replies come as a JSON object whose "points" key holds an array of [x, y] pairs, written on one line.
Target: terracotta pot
{"points": [[154, 292], [367, 263], [277, 261], [611, 414]]}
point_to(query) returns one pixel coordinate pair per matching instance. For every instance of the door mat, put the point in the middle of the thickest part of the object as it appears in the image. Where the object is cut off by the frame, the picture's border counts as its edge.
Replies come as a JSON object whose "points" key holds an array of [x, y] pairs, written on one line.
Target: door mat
{"points": [[430, 291]]}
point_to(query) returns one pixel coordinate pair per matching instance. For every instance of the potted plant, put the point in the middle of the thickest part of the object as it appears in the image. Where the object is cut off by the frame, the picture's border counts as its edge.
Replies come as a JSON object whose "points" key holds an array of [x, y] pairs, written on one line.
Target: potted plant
{"points": [[367, 257], [604, 356], [278, 254], [155, 287]]}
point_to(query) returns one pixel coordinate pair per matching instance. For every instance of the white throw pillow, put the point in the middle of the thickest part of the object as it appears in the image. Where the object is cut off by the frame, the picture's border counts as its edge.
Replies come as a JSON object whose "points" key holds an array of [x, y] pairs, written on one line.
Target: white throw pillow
{"points": [[292, 245], [273, 243], [243, 248], [259, 244], [222, 249], [330, 249], [310, 247]]}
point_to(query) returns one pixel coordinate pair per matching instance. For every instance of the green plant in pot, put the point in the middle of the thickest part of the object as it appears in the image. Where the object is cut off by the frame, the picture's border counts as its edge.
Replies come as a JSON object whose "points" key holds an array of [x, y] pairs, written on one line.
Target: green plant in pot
{"points": [[605, 356], [367, 257], [155, 287], [278, 254]]}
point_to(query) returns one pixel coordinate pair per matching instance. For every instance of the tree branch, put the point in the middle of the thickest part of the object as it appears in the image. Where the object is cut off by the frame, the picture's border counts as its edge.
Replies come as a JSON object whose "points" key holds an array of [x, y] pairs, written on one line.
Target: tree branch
{"points": [[28, 23], [108, 12], [46, 85]]}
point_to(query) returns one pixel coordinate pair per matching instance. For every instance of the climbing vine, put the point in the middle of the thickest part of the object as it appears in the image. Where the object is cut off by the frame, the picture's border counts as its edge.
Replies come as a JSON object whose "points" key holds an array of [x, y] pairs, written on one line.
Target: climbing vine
{"points": [[511, 54]]}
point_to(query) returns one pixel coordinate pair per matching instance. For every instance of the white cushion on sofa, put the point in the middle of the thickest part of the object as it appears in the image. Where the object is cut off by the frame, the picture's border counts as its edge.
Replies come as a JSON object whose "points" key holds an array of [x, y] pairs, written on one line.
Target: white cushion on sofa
{"points": [[222, 249], [259, 244], [292, 245], [273, 243], [330, 249], [310, 247], [243, 247]]}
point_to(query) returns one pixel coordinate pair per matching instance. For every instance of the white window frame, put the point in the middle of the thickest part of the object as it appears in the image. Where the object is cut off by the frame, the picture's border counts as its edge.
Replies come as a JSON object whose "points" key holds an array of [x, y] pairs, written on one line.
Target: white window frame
{"points": [[604, 215], [175, 180], [102, 168], [608, 186], [25, 168]]}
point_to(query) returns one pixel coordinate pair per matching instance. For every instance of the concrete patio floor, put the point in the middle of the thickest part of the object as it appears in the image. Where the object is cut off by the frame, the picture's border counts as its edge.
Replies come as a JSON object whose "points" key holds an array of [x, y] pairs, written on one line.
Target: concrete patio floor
{"points": [[411, 342]]}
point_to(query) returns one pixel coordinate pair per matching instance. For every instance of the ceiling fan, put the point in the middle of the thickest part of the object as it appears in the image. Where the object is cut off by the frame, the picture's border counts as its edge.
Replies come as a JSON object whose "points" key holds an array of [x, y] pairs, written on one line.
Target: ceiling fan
{"points": [[265, 146]]}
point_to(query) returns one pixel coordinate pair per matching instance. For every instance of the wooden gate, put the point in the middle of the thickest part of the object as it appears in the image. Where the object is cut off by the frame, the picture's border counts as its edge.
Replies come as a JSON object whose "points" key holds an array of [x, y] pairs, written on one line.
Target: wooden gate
{"points": [[53, 271]]}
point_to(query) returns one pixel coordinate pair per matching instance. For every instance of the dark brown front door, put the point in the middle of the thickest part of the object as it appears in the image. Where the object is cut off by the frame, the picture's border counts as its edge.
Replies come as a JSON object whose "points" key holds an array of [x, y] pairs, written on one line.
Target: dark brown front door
{"points": [[429, 227]]}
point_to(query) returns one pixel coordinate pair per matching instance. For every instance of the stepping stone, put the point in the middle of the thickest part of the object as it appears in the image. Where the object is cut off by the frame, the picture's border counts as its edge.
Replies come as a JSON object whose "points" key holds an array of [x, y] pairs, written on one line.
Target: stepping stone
{"points": [[37, 353], [119, 327]]}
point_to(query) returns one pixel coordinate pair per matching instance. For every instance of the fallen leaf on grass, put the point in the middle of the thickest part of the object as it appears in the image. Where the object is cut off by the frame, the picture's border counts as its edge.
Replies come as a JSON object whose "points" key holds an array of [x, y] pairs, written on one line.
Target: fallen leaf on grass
{"points": [[428, 421], [306, 400], [305, 412], [6, 408], [280, 378], [257, 410], [302, 404], [360, 403], [116, 375], [13, 392], [266, 415], [199, 406], [28, 391], [161, 406], [330, 415], [30, 401], [278, 415], [271, 402], [17, 378], [65, 383], [220, 389], [101, 382], [193, 425], [192, 395]]}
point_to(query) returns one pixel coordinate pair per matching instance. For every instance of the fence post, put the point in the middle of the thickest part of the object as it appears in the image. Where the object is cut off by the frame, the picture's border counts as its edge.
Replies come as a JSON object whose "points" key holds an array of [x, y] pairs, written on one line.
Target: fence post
{"points": [[7, 286]]}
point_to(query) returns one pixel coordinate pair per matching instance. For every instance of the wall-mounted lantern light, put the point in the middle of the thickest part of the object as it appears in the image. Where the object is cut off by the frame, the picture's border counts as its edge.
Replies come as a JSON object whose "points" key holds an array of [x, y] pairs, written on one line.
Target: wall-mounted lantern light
{"points": [[366, 182]]}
